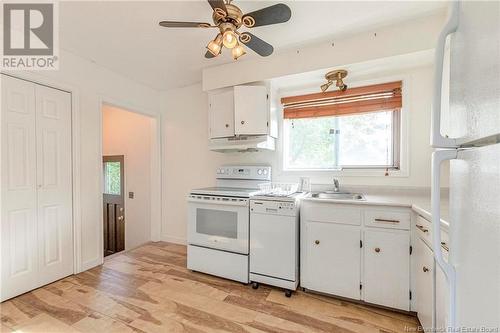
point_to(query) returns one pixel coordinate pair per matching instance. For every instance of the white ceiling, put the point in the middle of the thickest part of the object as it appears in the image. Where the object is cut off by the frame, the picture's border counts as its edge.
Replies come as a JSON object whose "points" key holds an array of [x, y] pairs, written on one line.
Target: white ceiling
{"points": [[125, 36]]}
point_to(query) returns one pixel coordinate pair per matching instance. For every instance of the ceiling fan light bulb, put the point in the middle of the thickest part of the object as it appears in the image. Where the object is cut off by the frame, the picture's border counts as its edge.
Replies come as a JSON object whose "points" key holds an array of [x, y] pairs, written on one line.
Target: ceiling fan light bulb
{"points": [[238, 51], [229, 39], [324, 87], [214, 46]]}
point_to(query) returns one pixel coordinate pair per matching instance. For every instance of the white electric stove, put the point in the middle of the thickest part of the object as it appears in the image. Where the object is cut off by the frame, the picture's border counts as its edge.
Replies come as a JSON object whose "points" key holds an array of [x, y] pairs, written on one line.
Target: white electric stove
{"points": [[218, 222]]}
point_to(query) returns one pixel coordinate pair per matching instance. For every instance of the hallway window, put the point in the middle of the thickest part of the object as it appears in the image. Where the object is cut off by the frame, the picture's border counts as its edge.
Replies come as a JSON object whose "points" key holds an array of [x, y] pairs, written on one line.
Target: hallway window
{"points": [[112, 177]]}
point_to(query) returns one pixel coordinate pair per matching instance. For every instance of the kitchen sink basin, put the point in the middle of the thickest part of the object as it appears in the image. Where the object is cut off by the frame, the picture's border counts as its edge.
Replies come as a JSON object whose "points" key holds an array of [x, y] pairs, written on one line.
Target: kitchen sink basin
{"points": [[338, 196]]}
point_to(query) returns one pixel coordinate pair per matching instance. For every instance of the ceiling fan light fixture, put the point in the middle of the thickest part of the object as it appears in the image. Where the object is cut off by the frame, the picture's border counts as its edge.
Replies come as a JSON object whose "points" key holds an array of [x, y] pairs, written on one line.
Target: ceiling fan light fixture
{"points": [[215, 46], [229, 39], [238, 51]]}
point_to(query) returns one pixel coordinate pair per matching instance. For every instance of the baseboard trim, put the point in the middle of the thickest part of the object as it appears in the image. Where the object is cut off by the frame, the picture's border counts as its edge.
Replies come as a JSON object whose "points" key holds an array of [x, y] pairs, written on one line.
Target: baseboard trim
{"points": [[90, 264], [111, 256], [173, 239]]}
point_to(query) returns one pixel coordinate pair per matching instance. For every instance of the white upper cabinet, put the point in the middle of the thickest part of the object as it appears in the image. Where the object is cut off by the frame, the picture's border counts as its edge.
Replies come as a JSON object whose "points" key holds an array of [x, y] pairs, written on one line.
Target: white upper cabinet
{"points": [[240, 110], [251, 110], [221, 114]]}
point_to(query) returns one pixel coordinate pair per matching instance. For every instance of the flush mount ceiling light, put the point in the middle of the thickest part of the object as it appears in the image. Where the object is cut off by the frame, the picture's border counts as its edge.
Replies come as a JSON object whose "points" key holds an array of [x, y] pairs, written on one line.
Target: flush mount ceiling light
{"points": [[228, 18], [337, 76]]}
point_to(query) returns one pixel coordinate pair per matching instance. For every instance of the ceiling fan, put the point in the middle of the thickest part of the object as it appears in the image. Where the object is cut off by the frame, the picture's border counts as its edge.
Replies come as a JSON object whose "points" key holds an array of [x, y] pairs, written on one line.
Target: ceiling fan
{"points": [[228, 18]]}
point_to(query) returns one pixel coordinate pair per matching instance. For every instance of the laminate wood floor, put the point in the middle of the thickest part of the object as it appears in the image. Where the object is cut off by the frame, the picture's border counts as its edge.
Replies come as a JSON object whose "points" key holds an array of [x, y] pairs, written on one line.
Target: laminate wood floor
{"points": [[149, 289]]}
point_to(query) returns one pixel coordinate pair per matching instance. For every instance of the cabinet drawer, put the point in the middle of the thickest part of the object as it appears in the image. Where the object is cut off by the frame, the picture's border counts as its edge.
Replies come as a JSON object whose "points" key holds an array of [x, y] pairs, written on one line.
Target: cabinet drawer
{"points": [[330, 212], [424, 231], [385, 218]]}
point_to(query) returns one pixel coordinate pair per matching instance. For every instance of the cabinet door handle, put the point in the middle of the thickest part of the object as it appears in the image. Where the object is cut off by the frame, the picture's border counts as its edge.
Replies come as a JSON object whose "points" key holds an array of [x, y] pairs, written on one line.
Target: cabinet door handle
{"points": [[425, 269], [120, 218], [377, 249], [243, 122], [421, 227], [316, 242], [227, 125], [385, 220]]}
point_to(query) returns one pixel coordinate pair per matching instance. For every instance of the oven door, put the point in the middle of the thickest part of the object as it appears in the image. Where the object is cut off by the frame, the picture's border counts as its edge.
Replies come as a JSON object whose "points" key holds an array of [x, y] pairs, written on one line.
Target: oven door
{"points": [[219, 222]]}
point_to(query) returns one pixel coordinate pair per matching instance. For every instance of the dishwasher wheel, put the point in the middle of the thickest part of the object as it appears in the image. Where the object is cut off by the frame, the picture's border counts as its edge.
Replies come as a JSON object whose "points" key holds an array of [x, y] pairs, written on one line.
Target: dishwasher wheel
{"points": [[255, 285], [288, 293]]}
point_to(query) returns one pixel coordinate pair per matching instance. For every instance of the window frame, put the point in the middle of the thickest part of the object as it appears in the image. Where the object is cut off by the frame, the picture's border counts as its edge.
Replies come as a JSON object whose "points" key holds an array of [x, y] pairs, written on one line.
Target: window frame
{"points": [[400, 155]]}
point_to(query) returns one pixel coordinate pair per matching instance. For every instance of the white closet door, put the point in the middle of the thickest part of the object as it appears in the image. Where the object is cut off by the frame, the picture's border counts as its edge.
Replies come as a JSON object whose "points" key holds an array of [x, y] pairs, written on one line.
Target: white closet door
{"points": [[53, 151], [19, 263]]}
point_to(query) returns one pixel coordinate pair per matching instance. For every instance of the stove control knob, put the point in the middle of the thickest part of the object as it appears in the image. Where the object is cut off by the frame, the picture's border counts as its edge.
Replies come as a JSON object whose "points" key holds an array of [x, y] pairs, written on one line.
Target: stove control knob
{"points": [[222, 171], [265, 171], [259, 171]]}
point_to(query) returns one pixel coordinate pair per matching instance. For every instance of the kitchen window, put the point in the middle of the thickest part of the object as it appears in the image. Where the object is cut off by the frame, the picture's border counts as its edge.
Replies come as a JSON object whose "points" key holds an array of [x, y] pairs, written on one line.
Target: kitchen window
{"points": [[355, 129]]}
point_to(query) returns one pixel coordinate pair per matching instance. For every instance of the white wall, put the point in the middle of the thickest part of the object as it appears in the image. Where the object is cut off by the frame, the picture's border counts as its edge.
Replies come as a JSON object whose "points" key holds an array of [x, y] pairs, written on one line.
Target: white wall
{"points": [[90, 84], [129, 134], [187, 162]]}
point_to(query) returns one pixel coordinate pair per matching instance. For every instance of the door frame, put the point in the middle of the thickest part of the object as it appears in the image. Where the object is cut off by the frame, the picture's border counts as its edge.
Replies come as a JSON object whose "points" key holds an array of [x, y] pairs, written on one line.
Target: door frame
{"points": [[75, 154], [156, 212]]}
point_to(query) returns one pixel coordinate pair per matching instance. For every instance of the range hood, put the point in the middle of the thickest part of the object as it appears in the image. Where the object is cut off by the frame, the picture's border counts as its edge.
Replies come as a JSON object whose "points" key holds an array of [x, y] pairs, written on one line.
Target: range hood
{"points": [[242, 143]]}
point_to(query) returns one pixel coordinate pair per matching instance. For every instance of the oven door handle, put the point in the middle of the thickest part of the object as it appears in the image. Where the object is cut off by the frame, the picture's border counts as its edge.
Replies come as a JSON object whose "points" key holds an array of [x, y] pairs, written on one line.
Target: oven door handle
{"points": [[218, 201]]}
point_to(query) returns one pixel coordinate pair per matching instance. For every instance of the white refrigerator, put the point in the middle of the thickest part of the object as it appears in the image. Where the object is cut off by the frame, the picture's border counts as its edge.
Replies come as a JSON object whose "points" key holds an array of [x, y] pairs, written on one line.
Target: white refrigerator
{"points": [[466, 131]]}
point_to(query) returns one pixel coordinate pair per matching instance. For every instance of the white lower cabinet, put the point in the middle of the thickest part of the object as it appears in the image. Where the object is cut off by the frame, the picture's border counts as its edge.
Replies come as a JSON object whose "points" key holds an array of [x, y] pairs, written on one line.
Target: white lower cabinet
{"points": [[344, 254], [424, 270], [332, 262], [386, 268]]}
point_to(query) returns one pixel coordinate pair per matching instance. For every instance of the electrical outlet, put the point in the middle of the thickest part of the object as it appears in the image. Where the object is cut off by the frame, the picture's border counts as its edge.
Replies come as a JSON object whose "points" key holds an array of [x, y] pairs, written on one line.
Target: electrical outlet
{"points": [[130, 195], [305, 184]]}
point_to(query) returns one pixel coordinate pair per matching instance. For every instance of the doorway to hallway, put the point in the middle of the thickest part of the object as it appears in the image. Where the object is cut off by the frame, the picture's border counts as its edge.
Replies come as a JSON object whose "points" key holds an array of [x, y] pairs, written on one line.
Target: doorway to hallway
{"points": [[129, 155], [114, 209]]}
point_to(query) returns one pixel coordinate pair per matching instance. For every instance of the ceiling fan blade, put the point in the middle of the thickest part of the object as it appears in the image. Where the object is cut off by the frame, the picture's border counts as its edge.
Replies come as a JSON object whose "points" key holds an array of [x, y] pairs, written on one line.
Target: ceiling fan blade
{"points": [[177, 24], [278, 13], [256, 44], [218, 6], [209, 55]]}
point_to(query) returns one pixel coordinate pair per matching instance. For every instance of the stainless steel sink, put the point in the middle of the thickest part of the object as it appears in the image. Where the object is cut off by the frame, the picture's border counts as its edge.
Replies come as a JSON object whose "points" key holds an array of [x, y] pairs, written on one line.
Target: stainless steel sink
{"points": [[338, 196]]}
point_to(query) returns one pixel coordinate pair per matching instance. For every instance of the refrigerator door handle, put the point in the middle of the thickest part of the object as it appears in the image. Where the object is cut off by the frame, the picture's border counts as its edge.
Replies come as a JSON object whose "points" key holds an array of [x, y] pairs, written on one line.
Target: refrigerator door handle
{"points": [[437, 158], [437, 139]]}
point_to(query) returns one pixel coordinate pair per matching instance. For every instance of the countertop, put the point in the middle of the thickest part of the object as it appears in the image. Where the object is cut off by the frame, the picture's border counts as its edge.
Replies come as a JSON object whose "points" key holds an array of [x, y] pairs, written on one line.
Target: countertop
{"points": [[419, 200]]}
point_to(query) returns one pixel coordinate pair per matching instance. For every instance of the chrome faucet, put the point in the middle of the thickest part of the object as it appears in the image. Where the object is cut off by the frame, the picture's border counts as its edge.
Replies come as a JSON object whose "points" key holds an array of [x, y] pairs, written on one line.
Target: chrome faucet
{"points": [[336, 186]]}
